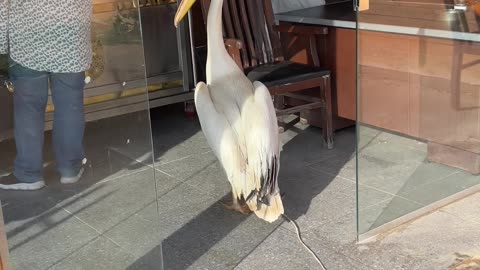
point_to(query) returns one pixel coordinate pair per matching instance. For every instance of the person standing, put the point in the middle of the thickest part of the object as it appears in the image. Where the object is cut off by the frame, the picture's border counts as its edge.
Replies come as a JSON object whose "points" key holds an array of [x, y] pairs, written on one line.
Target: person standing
{"points": [[49, 47]]}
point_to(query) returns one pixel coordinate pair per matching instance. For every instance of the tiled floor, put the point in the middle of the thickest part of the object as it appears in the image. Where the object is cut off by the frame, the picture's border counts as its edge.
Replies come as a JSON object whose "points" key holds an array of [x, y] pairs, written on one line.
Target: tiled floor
{"points": [[403, 179], [118, 217]]}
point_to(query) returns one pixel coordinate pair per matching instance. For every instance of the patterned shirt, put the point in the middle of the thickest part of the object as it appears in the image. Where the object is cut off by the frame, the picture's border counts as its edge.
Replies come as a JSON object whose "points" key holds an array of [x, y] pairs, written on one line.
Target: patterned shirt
{"points": [[47, 35]]}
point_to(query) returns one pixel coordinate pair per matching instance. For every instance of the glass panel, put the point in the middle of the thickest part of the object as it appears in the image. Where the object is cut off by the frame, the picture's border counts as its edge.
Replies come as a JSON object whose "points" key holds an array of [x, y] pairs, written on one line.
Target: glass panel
{"points": [[418, 107], [107, 219], [199, 231]]}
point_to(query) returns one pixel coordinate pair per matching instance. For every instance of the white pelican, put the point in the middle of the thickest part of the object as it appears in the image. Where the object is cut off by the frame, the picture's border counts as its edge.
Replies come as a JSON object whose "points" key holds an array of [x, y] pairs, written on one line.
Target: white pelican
{"points": [[239, 122]]}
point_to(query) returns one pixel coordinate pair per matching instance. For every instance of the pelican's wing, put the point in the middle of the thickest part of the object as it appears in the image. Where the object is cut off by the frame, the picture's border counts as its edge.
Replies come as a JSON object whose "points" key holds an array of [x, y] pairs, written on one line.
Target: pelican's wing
{"points": [[221, 138], [263, 144]]}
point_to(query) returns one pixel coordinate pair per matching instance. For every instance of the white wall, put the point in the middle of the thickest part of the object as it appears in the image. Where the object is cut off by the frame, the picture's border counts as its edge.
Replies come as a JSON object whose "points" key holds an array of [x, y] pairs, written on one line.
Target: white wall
{"points": [[289, 5]]}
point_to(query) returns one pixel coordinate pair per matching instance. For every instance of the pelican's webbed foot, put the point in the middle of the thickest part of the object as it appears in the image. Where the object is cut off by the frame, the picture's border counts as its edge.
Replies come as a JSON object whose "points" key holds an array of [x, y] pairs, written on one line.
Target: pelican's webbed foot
{"points": [[237, 206]]}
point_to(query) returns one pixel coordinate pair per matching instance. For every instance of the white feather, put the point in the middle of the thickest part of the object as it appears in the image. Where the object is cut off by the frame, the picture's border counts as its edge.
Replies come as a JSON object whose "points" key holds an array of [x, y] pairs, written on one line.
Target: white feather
{"points": [[239, 122], [221, 137]]}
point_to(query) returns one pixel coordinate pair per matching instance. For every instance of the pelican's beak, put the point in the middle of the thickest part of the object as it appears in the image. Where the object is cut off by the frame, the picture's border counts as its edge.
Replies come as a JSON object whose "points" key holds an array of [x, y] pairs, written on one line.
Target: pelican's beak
{"points": [[183, 9]]}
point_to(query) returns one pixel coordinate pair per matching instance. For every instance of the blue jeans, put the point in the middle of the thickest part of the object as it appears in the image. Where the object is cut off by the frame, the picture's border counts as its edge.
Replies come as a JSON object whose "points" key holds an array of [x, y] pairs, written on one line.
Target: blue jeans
{"points": [[30, 101]]}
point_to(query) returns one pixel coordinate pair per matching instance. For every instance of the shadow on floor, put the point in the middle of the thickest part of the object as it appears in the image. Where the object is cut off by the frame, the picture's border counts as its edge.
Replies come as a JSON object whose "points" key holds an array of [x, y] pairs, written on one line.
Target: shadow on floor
{"points": [[114, 148], [213, 228]]}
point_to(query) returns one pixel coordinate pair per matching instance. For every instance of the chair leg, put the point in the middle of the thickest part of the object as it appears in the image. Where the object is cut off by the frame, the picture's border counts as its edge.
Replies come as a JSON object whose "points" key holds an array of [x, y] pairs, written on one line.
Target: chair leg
{"points": [[279, 103], [326, 90]]}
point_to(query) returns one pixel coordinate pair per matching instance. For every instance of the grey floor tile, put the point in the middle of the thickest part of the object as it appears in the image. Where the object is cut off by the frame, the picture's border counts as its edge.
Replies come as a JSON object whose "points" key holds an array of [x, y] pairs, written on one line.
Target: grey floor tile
{"points": [[25, 206], [115, 166], [365, 141], [425, 174], [241, 241], [185, 169], [112, 134], [390, 152], [345, 141], [379, 214], [212, 180], [171, 128], [313, 199], [197, 230], [181, 206], [280, 251], [99, 254], [140, 154], [435, 191], [165, 183], [109, 203], [38, 243], [390, 138], [192, 230], [339, 232], [368, 131], [305, 147], [368, 196], [140, 234], [283, 251], [341, 165], [35, 203], [194, 145], [176, 137], [384, 175]]}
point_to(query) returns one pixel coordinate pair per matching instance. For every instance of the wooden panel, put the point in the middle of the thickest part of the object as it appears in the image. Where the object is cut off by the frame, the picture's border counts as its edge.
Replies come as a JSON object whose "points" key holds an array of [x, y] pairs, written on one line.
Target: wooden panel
{"points": [[435, 113], [384, 98], [387, 51], [441, 117], [345, 72], [431, 111]]}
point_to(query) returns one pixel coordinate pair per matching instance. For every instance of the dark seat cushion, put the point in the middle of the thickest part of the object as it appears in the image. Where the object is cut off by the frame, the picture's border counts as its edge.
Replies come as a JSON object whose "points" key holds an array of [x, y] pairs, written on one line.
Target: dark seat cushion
{"points": [[285, 72]]}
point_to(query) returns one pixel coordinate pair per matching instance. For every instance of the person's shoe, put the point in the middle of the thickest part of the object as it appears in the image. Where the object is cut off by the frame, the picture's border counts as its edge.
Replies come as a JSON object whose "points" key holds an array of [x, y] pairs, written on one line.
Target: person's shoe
{"points": [[10, 182], [74, 179]]}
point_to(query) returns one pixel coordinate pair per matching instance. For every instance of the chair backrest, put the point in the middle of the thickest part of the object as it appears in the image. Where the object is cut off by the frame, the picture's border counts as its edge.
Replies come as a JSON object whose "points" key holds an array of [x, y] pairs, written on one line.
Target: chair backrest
{"points": [[251, 22]]}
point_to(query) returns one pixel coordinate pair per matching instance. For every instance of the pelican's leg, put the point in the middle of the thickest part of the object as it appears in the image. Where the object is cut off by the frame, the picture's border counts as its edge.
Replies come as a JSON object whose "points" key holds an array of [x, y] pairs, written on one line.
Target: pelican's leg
{"points": [[236, 205]]}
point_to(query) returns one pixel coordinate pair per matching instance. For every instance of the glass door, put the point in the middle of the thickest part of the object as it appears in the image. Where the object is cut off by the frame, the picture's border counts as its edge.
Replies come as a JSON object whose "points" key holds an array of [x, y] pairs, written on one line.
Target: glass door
{"points": [[418, 109], [92, 202]]}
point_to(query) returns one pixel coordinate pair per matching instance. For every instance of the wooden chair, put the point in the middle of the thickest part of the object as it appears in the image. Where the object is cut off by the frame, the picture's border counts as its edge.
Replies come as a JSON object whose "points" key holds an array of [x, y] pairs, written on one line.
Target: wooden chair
{"points": [[253, 41], [460, 48]]}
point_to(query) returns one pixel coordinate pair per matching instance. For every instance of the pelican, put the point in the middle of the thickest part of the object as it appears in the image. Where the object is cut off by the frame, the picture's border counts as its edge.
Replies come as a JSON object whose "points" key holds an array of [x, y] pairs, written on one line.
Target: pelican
{"points": [[239, 122]]}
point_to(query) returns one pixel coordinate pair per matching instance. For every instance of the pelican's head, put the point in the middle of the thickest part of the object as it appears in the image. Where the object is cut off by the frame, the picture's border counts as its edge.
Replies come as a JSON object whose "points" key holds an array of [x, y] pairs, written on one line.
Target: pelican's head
{"points": [[183, 9]]}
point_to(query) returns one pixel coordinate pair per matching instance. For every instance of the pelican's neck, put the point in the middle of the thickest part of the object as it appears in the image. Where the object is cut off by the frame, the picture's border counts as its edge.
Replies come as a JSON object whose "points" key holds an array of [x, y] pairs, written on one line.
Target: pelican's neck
{"points": [[214, 26], [219, 62]]}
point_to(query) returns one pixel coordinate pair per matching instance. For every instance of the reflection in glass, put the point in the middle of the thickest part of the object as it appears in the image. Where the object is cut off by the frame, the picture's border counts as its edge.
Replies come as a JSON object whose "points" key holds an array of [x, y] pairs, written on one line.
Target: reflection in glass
{"points": [[418, 109], [97, 221]]}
